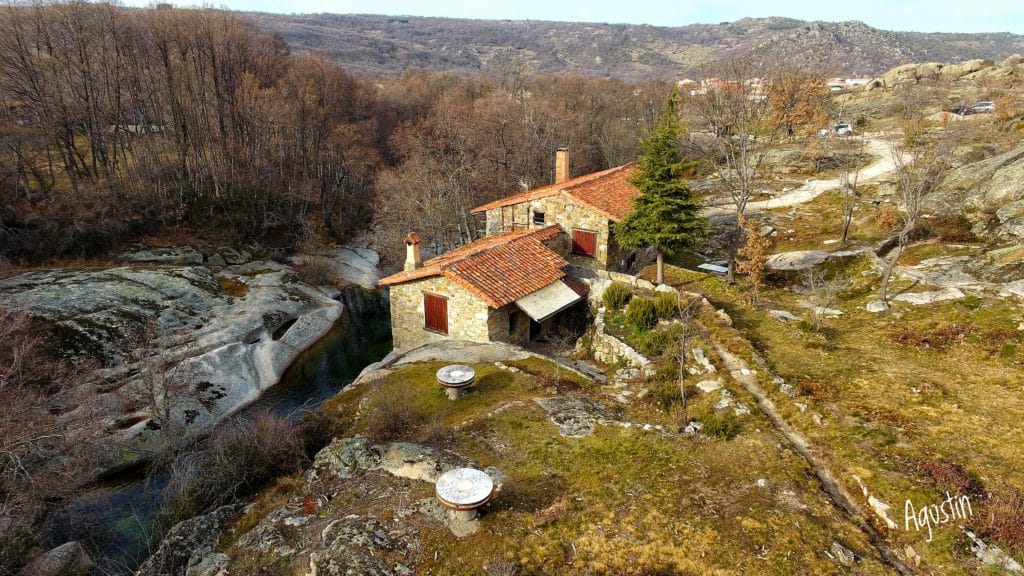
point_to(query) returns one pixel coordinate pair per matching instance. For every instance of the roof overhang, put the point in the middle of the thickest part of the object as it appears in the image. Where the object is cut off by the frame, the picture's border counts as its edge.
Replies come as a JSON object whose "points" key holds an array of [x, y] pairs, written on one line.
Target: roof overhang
{"points": [[548, 301]]}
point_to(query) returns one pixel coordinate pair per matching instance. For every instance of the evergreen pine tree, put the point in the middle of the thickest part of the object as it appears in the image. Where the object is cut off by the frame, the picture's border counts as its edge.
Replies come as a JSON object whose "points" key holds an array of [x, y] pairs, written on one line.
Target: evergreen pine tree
{"points": [[665, 216]]}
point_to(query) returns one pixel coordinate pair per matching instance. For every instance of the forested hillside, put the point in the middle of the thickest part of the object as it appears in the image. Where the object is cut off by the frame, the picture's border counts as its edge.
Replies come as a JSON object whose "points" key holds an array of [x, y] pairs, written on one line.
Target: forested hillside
{"points": [[117, 123], [381, 45]]}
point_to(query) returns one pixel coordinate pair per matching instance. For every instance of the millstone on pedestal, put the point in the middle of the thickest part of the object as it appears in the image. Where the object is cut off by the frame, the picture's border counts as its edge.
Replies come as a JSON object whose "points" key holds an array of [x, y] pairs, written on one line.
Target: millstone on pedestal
{"points": [[463, 490], [455, 379]]}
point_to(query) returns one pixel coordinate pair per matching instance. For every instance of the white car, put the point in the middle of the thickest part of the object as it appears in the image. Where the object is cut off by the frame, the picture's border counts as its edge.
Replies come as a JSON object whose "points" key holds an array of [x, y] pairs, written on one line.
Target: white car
{"points": [[982, 107], [843, 129]]}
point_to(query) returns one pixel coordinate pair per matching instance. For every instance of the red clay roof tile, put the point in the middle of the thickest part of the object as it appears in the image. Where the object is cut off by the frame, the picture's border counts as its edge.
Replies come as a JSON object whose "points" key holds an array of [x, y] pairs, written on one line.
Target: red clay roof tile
{"points": [[498, 269], [607, 192]]}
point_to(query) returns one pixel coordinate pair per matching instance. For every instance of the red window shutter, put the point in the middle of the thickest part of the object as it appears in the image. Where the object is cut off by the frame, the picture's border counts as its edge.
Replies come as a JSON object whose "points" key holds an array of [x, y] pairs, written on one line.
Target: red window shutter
{"points": [[584, 243], [435, 313]]}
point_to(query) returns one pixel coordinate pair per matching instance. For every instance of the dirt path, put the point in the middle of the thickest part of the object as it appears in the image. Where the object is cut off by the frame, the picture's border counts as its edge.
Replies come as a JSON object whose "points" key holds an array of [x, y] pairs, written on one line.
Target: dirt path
{"points": [[881, 149], [839, 496]]}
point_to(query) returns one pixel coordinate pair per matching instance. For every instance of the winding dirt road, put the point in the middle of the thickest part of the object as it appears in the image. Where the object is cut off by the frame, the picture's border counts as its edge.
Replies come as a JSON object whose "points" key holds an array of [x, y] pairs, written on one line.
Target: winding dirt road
{"points": [[883, 164]]}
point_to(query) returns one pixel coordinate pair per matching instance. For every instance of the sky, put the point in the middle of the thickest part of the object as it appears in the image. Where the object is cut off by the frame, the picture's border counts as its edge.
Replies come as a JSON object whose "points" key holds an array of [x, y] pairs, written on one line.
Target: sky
{"points": [[914, 15]]}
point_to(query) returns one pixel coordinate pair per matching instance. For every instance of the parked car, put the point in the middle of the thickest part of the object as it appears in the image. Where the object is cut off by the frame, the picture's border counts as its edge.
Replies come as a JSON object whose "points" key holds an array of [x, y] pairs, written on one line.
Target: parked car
{"points": [[982, 107], [843, 129], [962, 110]]}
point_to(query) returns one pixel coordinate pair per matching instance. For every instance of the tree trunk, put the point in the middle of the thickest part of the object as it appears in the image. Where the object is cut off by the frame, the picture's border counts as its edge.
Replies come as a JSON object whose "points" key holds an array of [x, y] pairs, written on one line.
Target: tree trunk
{"points": [[660, 279], [847, 218], [889, 267], [730, 276]]}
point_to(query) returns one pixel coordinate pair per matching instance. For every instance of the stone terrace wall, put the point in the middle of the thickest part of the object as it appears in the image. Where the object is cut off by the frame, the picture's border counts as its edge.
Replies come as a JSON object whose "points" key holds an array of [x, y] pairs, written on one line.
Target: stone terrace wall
{"points": [[468, 318]]}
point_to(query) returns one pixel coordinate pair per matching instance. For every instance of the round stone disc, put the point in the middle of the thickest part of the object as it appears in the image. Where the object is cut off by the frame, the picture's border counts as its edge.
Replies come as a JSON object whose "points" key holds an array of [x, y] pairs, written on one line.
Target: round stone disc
{"points": [[456, 375], [464, 488]]}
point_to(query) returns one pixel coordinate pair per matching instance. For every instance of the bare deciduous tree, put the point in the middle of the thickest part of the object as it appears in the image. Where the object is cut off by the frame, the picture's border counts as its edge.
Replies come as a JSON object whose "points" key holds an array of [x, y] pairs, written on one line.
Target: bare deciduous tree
{"points": [[918, 173], [744, 112]]}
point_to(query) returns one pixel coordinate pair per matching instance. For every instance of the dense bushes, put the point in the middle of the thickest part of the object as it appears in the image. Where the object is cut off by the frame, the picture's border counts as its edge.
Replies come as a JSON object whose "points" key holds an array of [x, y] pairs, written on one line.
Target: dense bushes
{"points": [[642, 313], [724, 426], [616, 296], [390, 415], [234, 459]]}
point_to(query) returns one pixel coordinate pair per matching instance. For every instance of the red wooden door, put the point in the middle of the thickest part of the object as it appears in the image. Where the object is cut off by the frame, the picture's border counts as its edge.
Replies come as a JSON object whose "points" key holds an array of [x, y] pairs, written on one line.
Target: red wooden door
{"points": [[435, 313], [584, 243]]}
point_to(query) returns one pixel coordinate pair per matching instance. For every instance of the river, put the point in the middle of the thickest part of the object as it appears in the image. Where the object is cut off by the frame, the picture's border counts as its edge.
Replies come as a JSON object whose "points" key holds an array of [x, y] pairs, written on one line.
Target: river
{"points": [[114, 519]]}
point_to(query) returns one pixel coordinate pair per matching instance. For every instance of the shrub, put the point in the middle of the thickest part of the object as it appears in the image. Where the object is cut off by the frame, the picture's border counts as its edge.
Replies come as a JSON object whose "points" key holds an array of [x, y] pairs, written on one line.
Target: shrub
{"points": [[667, 395], [950, 477], [888, 217], [666, 306], [318, 271], [724, 426], [236, 458], [616, 296], [652, 343], [641, 313], [941, 337], [390, 415], [1004, 519]]}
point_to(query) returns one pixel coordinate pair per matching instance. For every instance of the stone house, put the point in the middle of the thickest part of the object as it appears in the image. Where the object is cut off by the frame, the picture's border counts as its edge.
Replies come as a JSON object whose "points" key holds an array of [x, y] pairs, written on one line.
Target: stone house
{"points": [[587, 208], [509, 286], [513, 285]]}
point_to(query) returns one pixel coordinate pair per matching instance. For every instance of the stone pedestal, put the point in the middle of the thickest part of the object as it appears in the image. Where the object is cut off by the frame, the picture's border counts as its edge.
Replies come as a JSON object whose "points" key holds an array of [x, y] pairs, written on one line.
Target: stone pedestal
{"points": [[455, 379]]}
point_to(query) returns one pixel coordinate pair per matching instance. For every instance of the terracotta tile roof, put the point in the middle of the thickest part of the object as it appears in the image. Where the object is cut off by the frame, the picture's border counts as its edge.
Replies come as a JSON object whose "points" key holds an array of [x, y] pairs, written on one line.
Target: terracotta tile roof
{"points": [[607, 192], [498, 269]]}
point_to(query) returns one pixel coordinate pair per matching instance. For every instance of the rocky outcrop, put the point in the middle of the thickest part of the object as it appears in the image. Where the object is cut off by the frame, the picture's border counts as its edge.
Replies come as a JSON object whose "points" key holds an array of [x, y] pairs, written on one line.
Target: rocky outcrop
{"points": [[987, 185], [345, 457], [356, 265], [574, 417], [69, 559], [971, 70], [805, 259], [226, 336], [188, 548]]}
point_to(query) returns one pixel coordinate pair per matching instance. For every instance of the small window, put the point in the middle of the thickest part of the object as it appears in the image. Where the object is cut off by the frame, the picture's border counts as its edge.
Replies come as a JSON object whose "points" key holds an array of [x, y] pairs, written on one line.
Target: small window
{"points": [[435, 313], [538, 218], [584, 243]]}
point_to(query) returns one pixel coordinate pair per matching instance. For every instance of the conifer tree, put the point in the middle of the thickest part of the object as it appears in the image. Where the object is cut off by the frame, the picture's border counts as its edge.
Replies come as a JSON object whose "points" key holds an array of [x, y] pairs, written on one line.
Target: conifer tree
{"points": [[665, 216]]}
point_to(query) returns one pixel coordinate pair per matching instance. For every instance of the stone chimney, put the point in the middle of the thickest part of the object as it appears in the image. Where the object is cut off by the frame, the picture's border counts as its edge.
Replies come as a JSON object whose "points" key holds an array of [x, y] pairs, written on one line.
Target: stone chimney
{"points": [[561, 165], [412, 252]]}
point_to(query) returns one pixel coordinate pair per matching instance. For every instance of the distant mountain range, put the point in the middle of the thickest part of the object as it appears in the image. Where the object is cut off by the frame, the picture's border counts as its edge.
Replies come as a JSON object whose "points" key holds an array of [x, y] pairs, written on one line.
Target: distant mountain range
{"points": [[381, 45]]}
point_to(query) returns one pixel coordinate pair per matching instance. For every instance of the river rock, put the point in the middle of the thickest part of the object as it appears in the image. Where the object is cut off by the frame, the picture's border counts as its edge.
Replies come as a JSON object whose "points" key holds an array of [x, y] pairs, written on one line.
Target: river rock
{"points": [[68, 559], [574, 417], [188, 544], [172, 255], [228, 346], [356, 265]]}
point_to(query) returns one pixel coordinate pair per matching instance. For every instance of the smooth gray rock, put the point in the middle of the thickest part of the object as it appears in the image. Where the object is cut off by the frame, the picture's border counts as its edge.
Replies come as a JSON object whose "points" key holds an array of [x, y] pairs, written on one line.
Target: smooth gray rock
{"points": [[797, 260], [574, 417], [231, 347], [876, 306], [68, 559], [919, 298], [783, 315], [710, 385], [216, 260]]}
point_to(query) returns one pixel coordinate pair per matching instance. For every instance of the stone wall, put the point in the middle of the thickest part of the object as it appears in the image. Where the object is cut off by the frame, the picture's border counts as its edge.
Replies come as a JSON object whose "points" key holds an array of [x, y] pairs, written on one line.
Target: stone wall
{"points": [[572, 216], [468, 318], [610, 350]]}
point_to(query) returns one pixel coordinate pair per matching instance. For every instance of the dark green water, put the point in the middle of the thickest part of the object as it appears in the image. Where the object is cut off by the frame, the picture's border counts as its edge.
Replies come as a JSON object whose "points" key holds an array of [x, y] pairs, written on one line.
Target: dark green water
{"points": [[115, 519]]}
